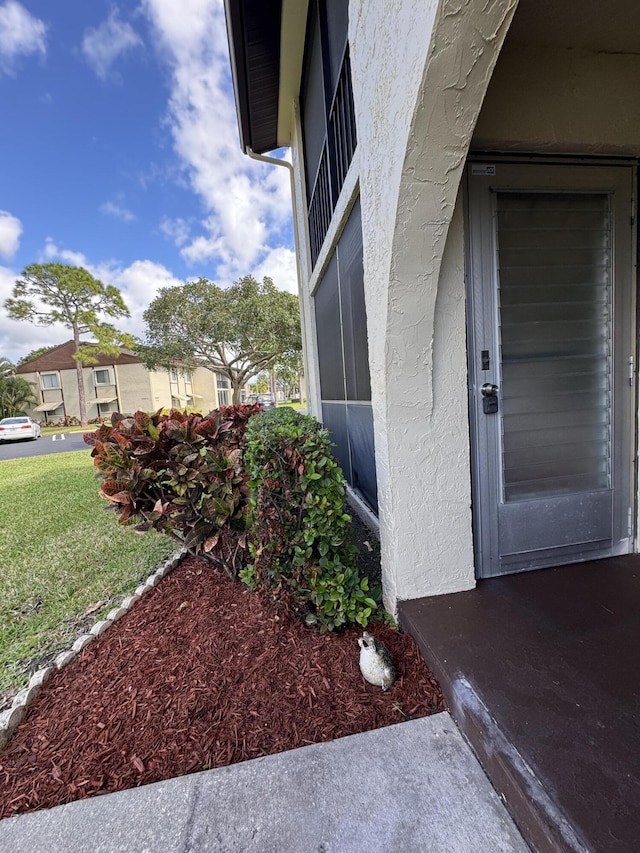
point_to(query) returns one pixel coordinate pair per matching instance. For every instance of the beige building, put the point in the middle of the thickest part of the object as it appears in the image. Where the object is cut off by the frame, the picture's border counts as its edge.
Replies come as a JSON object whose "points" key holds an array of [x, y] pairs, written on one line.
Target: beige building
{"points": [[121, 384]]}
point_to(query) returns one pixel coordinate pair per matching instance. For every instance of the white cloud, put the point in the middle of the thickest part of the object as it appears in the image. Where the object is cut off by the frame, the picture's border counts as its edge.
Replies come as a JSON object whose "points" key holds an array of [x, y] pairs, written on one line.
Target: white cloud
{"points": [[10, 231], [103, 45], [139, 283], [204, 248], [177, 230], [117, 211], [20, 35], [247, 204], [279, 265], [53, 252]]}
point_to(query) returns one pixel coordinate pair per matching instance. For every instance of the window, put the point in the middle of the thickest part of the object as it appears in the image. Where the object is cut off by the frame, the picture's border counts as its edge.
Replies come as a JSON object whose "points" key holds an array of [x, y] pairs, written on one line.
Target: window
{"points": [[102, 376], [328, 116], [106, 408], [173, 375], [223, 385], [50, 380], [343, 358]]}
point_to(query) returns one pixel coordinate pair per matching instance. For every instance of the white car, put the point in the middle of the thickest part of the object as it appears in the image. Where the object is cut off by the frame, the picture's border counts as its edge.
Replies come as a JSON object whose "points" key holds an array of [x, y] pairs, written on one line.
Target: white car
{"points": [[13, 429]]}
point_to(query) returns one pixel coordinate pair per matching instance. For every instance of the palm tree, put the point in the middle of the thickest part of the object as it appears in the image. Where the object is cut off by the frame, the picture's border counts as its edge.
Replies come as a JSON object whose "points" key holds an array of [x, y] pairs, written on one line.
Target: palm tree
{"points": [[6, 368], [16, 395]]}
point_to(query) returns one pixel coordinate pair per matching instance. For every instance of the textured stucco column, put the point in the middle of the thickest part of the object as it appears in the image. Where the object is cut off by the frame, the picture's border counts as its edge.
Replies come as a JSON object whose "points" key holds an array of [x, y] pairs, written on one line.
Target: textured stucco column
{"points": [[420, 73]]}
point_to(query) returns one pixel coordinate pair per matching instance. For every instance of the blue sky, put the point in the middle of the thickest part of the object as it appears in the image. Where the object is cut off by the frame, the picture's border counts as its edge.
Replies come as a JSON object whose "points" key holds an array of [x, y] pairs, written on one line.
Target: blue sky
{"points": [[119, 152]]}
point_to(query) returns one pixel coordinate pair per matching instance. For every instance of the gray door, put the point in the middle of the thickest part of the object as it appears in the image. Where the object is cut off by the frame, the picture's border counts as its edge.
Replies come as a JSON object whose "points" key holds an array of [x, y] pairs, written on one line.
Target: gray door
{"points": [[551, 340]]}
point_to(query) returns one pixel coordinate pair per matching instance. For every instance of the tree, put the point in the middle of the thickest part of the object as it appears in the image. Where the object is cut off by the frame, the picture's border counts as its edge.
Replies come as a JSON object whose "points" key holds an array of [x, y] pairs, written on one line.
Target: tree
{"points": [[240, 331], [16, 396], [288, 374], [261, 385], [35, 353], [57, 293], [6, 367]]}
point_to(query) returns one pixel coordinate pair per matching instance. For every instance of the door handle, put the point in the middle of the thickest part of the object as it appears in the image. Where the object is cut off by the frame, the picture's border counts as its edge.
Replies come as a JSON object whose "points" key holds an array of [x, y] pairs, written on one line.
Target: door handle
{"points": [[489, 390]]}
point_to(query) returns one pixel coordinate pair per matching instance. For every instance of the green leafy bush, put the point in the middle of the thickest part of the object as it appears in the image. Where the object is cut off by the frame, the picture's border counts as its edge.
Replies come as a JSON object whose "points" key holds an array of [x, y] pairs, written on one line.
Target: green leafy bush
{"points": [[181, 474], [300, 533]]}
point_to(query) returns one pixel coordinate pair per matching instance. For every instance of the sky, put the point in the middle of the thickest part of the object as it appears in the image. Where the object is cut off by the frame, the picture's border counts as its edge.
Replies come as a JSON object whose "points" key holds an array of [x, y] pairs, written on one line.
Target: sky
{"points": [[119, 152]]}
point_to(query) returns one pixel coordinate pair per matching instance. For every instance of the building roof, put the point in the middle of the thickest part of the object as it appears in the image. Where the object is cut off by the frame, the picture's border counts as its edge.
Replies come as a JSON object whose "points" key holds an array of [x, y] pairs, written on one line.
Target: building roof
{"points": [[61, 358], [253, 28], [266, 43]]}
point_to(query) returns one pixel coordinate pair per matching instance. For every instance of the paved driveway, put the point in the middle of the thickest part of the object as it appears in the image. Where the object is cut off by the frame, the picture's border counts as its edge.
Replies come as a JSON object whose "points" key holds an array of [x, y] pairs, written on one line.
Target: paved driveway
{"points": [[58, 443]]}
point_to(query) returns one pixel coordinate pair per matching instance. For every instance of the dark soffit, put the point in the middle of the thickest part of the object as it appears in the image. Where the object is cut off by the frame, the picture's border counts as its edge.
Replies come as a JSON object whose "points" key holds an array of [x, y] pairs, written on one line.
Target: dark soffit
{"points": [[253, 29]]}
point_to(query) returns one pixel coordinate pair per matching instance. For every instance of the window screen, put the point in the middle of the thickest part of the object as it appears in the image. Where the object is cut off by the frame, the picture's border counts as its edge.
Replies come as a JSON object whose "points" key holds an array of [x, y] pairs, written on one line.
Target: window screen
{"points": [[555, 288], [337, 18], [354, 314], [363, 460], [334, 417], [328, 116], [343, 356], [314, 124], [329, 333]]}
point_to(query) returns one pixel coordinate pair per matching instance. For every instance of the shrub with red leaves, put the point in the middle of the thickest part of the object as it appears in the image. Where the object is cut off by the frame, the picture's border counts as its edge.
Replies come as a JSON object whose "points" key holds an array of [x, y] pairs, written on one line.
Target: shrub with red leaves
{"points": [[181, 474]]}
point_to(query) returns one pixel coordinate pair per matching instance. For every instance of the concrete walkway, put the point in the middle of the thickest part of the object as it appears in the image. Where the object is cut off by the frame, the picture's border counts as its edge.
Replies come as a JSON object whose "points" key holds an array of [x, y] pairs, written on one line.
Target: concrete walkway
{"points": [[413, 787]]}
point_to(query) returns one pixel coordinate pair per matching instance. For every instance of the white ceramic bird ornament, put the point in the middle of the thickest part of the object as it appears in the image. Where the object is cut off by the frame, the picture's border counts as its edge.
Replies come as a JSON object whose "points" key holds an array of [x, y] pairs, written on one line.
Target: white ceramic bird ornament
{"points": [[376, 663]]}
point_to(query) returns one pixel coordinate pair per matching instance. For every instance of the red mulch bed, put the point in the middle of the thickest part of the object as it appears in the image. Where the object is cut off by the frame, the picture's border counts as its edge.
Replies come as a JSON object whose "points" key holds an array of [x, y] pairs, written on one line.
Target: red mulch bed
{"points": [[199, 674]]}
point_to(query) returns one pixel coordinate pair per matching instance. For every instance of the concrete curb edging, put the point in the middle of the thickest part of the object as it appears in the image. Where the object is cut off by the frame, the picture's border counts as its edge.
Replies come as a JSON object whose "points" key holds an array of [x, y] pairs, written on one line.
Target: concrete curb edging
{"points": [[13, 716]]}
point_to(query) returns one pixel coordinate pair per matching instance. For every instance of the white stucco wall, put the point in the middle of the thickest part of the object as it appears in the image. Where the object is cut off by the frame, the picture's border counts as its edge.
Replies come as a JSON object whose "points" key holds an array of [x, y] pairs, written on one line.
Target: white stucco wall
{"points": [[428, 78], [560, 100], [420, 73]]}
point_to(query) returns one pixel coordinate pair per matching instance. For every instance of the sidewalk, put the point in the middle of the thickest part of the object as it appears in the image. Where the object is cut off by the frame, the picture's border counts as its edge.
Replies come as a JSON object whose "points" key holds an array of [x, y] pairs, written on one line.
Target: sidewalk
{"points": [[410, 788]]}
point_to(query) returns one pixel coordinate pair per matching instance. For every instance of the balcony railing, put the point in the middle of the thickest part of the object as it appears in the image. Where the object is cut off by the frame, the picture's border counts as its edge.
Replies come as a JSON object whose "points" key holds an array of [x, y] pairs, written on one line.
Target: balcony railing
{"points": [[336, 157]]}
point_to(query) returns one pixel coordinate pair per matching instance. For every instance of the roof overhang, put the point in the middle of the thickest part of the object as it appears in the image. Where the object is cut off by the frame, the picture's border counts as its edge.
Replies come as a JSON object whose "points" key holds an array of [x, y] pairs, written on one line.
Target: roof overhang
{"points": [[266, 45]]}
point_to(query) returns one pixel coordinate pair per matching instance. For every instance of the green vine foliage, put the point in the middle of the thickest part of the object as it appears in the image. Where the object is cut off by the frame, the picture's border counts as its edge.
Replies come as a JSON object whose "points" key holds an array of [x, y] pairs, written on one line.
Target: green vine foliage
{"points": [[300, 538], [180, 474]]}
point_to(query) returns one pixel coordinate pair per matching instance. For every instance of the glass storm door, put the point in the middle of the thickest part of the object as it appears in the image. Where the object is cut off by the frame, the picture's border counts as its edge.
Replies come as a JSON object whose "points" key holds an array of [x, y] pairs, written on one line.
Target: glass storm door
{"points": [[552, 356]]}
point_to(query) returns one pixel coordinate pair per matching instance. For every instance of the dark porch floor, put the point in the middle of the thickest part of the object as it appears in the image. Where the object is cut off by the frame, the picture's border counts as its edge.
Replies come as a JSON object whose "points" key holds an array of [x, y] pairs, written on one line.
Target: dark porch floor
{"points": [[541, 672]]}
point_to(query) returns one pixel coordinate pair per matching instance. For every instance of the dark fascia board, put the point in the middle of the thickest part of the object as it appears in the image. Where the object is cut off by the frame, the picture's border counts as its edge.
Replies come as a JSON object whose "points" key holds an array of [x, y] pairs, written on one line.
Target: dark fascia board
{"points": [[253, 31], [233, 15]]}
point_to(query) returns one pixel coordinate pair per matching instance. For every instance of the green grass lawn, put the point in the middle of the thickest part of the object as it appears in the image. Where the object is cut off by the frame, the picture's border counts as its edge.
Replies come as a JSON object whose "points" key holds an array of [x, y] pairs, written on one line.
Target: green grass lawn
{"points": [[60, 554], [49, 430], [296, 406]]}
